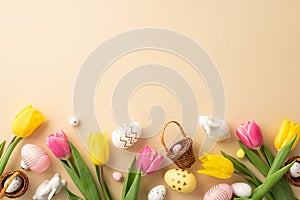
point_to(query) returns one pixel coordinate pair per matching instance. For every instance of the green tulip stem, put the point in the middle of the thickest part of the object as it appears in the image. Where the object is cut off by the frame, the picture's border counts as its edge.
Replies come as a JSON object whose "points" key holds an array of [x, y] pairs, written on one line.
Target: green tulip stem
{"points": [[71, 165], [99, 180], [8, 152], [103, 183], [262, 155], [99, 172]]}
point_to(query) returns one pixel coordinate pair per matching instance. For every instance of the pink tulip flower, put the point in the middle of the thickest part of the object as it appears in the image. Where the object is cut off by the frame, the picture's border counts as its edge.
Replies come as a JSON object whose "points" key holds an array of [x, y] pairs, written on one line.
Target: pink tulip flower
{"points": [[250, 135], [58, 144], [149, 160]]}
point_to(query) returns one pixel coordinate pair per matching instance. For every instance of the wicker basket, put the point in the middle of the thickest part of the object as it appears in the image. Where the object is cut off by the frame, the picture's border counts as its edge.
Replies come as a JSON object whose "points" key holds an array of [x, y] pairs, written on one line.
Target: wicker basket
{"points": [[9, 176], [184, 157], [289, 178]]}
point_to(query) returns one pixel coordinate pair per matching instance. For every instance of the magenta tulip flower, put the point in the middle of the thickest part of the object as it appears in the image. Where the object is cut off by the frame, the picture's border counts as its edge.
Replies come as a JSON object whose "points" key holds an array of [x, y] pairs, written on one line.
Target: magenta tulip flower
{"points": [[149, 160], [250, 135], [58, 144]]}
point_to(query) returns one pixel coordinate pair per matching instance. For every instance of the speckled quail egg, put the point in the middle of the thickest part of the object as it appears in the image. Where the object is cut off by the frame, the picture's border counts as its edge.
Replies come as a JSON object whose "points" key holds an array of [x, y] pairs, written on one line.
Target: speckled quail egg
{"points": [[14, 185], [157, 193]]}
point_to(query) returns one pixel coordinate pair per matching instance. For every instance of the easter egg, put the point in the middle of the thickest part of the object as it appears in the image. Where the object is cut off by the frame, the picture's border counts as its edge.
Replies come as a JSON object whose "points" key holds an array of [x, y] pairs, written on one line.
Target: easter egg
{"points": [[34, 158], [242, 190], [180, 180], [74, 121], [295, 170], [176, 148], [157, 193], [126, 135], [14, 185], [222, 191], [117, 176]]}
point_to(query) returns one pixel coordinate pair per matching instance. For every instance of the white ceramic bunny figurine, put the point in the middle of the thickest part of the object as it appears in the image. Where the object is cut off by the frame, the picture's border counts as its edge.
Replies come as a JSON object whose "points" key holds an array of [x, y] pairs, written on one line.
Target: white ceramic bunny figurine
{"points": [[216, 129], [48, 188]]}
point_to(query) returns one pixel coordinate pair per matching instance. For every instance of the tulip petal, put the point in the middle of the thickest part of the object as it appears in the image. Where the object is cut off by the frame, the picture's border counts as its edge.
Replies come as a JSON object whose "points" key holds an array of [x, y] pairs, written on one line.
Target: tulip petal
{"points": [[203, 158], [216, 174], [281, 134], [250, 135], [255, 135], [217, 166], [144, 159], [98, 148], [289, 137], [26, 121], [297, 131], [243, 136], [148, 160], [58, 144], [155, 164], [218, 163]]}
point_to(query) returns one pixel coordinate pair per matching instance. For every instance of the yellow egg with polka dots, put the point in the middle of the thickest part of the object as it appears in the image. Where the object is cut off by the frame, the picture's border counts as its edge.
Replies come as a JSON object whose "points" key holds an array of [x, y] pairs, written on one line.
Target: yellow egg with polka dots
{"points": [[180, 180]]}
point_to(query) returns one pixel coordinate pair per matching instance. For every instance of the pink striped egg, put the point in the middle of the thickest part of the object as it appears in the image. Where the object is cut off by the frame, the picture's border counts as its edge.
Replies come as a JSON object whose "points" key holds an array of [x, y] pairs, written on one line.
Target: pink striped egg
{"points": [[34, 158], [221, 191]]}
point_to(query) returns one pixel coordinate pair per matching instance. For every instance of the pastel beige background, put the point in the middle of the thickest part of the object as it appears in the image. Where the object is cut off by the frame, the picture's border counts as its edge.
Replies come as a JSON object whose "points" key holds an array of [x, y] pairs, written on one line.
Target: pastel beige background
{"points": [[254, 44]]}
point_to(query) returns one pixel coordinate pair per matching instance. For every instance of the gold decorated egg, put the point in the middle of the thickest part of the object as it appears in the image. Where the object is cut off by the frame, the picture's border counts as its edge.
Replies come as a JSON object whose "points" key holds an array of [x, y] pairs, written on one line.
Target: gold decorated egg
{"points": [[180, 180]]}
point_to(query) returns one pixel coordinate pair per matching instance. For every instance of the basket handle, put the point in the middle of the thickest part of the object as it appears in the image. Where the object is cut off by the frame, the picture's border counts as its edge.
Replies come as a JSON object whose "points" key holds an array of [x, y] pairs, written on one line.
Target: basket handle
{"points": [[162, 135], [10, 179]]}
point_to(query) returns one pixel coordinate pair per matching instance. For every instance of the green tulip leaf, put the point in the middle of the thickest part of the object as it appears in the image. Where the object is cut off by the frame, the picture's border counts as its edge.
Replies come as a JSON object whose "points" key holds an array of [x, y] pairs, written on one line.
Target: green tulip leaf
{"points": [[281, 157], [86, 184], [255, 159], [1, 147], [240, 167], [72, 174], [268, 154], [250, 177], [134, 189], [132, 183], [70, 195], [270, 181], [7, 153], [283, 191]]}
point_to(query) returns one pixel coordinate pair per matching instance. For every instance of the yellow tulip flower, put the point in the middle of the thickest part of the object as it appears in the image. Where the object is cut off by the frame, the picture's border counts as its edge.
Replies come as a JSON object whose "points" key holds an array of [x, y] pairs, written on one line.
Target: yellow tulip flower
{"points": [[216, 166], [27, 121], [287, 131], [99, 148]]}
